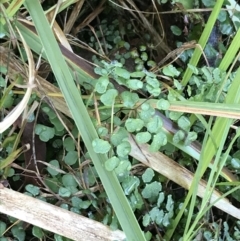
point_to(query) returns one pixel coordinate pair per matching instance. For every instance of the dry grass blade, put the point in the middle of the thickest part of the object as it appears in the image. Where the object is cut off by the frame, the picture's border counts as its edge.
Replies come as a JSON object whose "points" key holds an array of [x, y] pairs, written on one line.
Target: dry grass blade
{"points": [[16, 112], [61, 36], [90, 17], [54, 219], [178, 174], [73, 16]]}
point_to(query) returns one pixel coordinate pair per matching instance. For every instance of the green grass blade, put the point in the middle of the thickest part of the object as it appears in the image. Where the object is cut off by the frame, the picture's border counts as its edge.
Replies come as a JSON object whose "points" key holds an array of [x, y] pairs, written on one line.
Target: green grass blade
{"points": [[203, 40], [213, 147], [231, 52], [14, 7], [213, 109], [221, 126], [80, 115]]}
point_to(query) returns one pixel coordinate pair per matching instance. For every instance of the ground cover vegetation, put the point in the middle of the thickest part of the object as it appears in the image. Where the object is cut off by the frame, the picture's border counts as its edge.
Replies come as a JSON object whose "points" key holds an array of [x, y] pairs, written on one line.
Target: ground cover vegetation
{"points": [[124, 112]]}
